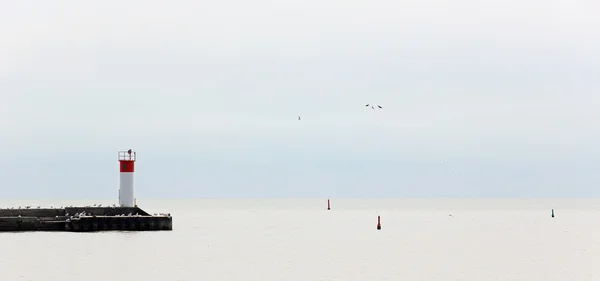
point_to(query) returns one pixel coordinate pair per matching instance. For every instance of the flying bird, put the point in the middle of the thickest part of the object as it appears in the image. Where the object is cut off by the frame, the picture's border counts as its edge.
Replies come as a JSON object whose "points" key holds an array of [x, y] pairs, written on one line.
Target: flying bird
{"points": [[373, 107], [298, 117]]}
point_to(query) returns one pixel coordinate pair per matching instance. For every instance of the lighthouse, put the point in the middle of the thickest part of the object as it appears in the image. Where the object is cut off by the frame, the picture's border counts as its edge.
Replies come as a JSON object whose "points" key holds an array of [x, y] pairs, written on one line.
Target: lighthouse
{"points": [[127, 164]]}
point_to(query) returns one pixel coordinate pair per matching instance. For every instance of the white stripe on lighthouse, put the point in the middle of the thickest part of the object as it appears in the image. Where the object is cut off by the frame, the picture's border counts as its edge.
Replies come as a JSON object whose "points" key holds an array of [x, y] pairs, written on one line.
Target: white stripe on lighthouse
{"points": [[126, 190]]}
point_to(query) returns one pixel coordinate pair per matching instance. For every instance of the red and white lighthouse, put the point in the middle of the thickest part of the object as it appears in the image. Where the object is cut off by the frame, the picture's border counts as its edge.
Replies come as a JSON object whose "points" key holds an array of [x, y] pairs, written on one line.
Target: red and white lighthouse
{"points": [[127, 164]]}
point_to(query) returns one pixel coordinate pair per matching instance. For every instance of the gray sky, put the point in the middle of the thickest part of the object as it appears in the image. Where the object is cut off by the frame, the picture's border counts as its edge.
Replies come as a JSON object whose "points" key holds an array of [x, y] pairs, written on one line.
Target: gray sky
{"points": [[208, 94]]}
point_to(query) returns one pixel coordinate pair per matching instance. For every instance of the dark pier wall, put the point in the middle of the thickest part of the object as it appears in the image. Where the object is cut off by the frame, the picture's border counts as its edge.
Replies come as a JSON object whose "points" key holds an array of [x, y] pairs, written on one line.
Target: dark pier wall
{"points": [[96, 219], [32, 224], [120, 223], [32, 212], [96, 211], [106, 211]]}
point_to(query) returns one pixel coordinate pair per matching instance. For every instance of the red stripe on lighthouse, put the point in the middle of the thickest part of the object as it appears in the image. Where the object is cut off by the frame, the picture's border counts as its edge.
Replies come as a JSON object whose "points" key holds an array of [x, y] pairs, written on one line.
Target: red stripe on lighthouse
{"points": [[126, 166]]}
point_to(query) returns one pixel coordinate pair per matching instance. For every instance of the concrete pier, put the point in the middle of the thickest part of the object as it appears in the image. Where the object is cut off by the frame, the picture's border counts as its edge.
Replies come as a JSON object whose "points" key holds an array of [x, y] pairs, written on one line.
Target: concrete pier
{"points": [[83, 219], [104, 223]]}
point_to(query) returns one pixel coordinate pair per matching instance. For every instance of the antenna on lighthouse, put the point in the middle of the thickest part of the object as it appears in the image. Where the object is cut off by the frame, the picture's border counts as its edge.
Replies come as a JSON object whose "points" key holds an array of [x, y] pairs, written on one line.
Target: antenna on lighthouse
{"points": [[127, 167]]}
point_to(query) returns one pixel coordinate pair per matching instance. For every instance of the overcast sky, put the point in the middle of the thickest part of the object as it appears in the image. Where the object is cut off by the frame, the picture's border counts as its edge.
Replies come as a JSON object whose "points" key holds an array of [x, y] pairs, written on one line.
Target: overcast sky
{"points": [[480, 98]]}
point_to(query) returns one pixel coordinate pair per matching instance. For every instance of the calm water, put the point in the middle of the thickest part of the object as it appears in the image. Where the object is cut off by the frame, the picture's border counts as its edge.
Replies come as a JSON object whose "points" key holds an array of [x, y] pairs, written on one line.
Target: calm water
{"points": [[297, 239]]}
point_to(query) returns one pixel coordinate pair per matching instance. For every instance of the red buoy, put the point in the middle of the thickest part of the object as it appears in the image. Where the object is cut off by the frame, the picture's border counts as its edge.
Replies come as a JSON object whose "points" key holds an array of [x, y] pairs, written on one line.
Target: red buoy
{"points": [[378, 223], [328, 206]]}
